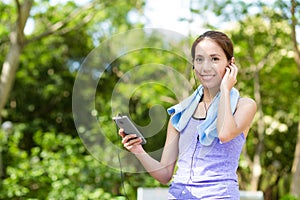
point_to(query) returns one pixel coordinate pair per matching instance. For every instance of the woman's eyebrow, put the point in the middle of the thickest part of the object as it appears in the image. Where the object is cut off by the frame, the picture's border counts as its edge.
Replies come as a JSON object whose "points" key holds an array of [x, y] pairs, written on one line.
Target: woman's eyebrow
{"points": [[215, 54], [211, 55]]}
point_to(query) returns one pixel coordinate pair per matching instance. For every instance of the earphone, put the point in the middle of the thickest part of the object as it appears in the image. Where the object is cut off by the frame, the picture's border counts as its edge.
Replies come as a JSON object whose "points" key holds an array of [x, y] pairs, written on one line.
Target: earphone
{"points": [[196, 84]]}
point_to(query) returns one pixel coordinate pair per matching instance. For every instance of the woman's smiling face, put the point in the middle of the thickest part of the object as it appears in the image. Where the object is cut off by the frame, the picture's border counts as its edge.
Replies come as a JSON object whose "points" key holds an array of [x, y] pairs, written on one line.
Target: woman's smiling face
{"points": [[210, 63]]}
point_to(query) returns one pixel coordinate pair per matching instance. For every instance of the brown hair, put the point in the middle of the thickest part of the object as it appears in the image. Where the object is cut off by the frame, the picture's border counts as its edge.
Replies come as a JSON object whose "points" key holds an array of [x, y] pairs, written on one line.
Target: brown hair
{"points": [[220, 38]]}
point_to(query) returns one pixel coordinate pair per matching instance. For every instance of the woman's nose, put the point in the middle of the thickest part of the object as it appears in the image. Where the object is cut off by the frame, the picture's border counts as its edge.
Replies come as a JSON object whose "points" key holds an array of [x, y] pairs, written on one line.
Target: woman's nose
{"points": [[207, 65]]}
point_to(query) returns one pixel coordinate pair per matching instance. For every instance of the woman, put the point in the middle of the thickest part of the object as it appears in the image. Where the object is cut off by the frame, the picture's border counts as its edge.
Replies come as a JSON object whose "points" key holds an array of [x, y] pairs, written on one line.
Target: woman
{"points": [[207, 130]]}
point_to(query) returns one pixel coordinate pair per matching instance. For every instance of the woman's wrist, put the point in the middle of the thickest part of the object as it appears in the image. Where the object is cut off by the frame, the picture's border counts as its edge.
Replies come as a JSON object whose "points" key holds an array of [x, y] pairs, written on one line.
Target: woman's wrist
{"points": [[225, 90], [138, 150]]}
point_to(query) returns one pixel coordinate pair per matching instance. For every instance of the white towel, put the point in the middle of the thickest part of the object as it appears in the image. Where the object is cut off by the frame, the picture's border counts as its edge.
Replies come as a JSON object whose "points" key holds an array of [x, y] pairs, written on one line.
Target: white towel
{"points": [[207, 130]]}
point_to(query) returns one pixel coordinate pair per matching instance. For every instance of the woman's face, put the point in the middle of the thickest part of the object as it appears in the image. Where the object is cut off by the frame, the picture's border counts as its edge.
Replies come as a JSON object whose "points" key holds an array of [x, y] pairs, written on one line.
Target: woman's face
{"points": [[210, 63]]}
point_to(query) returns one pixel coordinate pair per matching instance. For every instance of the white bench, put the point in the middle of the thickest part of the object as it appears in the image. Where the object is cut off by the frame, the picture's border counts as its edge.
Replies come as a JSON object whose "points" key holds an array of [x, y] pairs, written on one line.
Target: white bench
{"points": [[159, 193]]}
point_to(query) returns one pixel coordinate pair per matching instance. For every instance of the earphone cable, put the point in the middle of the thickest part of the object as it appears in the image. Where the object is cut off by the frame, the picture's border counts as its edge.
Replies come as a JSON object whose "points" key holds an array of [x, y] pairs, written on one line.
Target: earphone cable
{"points": [[196, 83], [195, 79], [121, 169]]}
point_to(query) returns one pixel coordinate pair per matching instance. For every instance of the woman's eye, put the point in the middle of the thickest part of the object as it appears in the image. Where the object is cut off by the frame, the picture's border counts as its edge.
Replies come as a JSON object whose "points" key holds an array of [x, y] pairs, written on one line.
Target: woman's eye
{"points": [[215, 59], [199, 60]]}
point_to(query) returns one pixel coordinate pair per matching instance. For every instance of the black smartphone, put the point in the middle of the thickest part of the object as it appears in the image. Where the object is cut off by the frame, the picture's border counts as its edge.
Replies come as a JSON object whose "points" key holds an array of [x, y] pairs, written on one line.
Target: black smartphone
{"points": [[125, 123]]}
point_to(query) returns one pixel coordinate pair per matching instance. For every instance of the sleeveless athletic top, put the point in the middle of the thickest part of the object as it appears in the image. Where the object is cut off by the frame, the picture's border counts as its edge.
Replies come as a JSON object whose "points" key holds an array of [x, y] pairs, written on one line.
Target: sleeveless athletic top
{"points": [[206, 172]]}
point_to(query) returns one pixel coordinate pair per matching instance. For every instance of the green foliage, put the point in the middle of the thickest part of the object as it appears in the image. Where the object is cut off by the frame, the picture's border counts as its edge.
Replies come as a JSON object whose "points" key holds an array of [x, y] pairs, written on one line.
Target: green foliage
{"points": [[289, 197], [45, 158], [58, 167], [255, 42]]}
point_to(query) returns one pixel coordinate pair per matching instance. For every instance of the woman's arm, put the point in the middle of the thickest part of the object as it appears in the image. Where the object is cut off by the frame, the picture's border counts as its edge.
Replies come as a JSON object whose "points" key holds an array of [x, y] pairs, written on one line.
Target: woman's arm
{"points": [[163, 170], [228, 125]]}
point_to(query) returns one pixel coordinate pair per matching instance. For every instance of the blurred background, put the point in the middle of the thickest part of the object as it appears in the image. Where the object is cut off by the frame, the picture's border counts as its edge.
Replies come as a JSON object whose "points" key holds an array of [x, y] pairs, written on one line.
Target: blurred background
{"points": [[43, 45]]}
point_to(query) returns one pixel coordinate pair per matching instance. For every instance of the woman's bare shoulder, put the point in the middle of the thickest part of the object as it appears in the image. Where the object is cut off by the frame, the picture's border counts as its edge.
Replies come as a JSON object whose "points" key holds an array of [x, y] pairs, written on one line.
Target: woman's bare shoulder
{"points": [[247, 102]]}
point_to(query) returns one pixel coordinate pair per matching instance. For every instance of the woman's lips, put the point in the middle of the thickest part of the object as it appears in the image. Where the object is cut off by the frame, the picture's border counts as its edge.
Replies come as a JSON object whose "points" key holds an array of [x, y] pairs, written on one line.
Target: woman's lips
{"points": [[207, 77]]}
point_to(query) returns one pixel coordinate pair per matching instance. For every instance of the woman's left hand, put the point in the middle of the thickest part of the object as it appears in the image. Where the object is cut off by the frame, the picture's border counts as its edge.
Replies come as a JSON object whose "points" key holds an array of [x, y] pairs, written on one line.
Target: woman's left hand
{"points": [[230, 76]]}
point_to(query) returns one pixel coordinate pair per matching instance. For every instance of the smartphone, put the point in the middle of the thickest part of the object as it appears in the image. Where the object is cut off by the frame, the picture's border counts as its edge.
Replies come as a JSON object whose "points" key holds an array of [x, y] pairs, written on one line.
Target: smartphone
{"points": [[125, 123]]}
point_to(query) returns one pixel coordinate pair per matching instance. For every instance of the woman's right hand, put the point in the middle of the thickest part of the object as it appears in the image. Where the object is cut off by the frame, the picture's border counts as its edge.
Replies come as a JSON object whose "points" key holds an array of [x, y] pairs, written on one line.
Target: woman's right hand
{"points": [[230, 76], [131, 142]]}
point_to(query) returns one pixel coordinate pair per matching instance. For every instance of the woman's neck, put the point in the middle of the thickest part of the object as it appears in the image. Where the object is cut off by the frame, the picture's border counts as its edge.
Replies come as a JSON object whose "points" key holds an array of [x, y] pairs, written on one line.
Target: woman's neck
{"points": [[209, 94]]}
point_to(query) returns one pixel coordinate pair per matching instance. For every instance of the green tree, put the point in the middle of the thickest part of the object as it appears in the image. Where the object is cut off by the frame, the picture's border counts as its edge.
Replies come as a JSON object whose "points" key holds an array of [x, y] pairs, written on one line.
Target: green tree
{"points": [[44, 157], [296, 164]]}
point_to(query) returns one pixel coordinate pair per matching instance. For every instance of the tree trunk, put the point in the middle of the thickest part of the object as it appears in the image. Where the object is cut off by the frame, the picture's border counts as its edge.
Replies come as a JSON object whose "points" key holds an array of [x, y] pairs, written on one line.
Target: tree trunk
{"points": [[9, 69], [256, 168], [7, 76], [295, 184], [12, 59]]}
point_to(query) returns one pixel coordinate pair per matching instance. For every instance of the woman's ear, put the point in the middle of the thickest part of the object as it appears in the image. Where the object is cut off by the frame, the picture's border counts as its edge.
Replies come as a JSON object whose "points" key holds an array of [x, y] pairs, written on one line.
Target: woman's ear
{"points": [[232, 60]]}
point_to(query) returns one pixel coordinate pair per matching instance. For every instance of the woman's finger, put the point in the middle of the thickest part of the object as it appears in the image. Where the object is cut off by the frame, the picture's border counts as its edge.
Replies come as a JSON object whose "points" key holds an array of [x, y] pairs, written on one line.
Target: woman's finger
{"points": [[128, 137], [133, 142], [234, 70], [121, 132]]}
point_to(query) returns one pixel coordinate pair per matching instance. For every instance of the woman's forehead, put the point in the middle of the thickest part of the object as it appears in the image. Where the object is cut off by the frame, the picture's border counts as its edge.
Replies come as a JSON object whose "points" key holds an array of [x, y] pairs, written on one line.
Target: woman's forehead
{"points": [[209, 47]]}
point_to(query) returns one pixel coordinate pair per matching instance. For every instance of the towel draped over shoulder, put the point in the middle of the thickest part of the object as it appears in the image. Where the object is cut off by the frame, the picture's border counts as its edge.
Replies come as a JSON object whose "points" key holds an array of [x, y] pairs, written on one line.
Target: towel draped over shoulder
{"points": [[183, 111]]}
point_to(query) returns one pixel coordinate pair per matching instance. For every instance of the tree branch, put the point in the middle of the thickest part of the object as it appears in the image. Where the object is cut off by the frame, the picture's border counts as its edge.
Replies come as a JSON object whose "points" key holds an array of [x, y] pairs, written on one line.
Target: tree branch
{"points": [[254, 68], [18, 5], [294, 37], [61, 26], [23, 11]]}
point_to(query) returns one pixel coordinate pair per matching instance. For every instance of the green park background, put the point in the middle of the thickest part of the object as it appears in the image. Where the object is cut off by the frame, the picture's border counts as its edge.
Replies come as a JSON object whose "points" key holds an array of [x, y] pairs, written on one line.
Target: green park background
{"points": [[51, 147]]}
